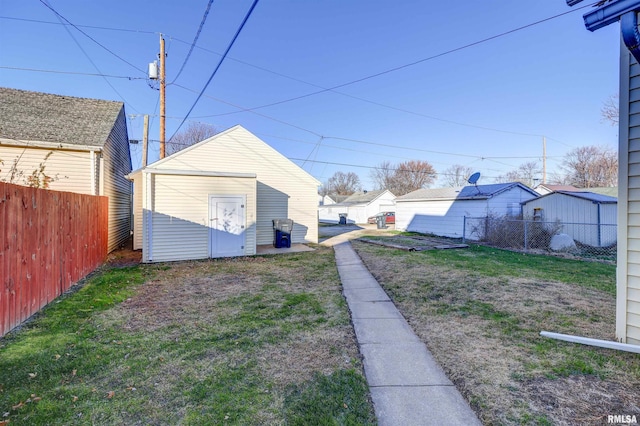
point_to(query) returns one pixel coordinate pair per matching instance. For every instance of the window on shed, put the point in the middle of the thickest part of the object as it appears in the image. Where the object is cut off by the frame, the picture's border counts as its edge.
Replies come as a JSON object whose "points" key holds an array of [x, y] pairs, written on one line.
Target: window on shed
{"points": [[537, 213]]}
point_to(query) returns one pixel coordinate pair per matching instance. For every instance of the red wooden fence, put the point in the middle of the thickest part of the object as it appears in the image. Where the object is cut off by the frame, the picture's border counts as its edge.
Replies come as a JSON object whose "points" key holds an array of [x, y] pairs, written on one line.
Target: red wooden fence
{"points": [[48, 241]]}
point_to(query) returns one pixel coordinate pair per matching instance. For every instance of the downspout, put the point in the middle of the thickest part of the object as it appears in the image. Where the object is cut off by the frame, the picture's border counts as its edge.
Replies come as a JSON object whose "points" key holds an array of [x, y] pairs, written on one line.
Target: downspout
{"points": [[630, 33], [593, 342], [599, 226]]}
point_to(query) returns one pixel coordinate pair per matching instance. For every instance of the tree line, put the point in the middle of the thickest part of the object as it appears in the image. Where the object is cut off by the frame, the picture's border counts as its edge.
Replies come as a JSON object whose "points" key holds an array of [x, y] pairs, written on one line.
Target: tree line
{"points": [[582, 167]]}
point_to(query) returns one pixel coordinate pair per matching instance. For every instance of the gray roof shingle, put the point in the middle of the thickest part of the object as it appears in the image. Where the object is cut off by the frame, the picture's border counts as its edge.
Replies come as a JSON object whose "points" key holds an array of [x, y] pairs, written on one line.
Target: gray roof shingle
{"points": [[35, 116], [363, 197], [591, 196], [470, 192]]}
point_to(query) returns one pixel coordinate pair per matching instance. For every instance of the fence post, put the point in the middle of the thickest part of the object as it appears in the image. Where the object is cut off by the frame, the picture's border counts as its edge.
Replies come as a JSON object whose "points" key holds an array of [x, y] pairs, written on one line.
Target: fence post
{"points": [[526, 236], [464, 229]]}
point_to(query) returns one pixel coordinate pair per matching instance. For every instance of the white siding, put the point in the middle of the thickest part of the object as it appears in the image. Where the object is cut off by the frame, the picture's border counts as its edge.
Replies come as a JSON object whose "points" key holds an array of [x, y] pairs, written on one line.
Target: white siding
{"points": [[628, 281], [70, 169], [446, 217], [137, 212], [330, 213], [180, 214], [438, 217], [284, 189], [583, 213], [357, 213]]}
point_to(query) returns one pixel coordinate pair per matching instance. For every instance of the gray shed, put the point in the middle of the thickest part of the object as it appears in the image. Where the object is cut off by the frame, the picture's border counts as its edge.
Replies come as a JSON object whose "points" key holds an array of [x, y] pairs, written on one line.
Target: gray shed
{"points": [[589, 218]]}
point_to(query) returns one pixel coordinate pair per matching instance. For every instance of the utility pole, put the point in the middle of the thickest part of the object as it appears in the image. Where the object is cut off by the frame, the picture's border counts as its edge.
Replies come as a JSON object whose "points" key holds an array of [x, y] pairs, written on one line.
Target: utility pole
{"points": [[145, 140], [544, 160], [162, 96]]}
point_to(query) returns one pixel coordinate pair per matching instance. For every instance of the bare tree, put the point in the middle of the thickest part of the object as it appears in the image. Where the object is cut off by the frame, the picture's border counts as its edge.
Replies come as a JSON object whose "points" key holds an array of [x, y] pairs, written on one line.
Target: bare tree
{"points": [[456, 175], [610, 110], [591, 166], [383, 175], [194, 133], [405, 177], [342, 184], [526, 173]]}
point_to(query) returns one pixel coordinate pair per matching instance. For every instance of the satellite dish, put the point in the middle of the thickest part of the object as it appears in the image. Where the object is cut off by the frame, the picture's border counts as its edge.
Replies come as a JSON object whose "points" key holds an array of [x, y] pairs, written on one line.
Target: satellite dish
{"points": [[473, 179]]}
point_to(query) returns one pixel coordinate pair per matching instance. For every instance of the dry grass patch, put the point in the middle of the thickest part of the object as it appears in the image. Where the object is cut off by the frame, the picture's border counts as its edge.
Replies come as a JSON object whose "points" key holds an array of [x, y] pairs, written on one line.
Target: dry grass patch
{"points": [[483, 327], [227, 341]]}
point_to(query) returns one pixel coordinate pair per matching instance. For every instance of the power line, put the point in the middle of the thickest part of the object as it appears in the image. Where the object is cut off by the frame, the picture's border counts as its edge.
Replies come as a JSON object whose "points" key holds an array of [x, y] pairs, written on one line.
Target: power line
{"points": [[77, 26], [87, 56], [475, 157], [233, 40], [195, 40], [89, 37], [324, 89], [73, 73], [457, 49], [373, 167]]}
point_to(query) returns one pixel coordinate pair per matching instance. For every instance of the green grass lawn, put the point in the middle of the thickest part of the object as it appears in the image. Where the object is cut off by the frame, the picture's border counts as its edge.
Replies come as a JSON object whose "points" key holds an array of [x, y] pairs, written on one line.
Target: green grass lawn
{"points": [[480, 311], [235, 341]]}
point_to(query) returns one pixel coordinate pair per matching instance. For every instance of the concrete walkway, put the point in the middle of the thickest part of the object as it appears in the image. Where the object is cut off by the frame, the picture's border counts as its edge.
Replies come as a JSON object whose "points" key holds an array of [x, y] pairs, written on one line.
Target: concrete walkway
{"points": [[407, 386]]}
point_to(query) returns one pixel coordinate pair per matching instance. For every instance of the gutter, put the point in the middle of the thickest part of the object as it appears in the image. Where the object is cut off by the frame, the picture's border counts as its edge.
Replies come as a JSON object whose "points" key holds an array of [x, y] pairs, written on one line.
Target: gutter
{"points": [[630, 34], [625, 11]]}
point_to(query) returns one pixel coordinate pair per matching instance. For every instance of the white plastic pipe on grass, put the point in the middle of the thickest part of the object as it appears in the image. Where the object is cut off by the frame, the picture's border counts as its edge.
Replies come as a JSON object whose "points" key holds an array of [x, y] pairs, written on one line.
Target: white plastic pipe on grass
{"points": [[592, 342]]}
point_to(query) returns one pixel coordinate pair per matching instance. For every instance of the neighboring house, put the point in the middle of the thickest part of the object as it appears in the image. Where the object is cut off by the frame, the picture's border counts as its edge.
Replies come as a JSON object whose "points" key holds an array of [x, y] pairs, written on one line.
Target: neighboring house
{"points": [[219, 197], [590, 218], [325, 200], [80, 144], [358, 207], [442, 211]]}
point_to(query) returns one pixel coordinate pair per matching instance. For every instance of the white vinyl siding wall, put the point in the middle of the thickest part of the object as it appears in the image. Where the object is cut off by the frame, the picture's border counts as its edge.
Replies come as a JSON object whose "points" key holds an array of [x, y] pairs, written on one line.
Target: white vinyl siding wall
{"points": [[180, 214], [357, 213], [441, 217], [446, 217], [70, 169], [628, 285], [137, 212], [285, 191]]}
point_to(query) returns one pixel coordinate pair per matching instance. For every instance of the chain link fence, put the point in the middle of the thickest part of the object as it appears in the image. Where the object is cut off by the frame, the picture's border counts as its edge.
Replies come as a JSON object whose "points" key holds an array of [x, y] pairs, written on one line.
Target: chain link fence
{"points": [[590, 240]]}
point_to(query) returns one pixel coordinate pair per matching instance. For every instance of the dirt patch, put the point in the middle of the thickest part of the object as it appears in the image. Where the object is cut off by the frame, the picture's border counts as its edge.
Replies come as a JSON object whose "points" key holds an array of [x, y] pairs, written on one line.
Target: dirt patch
{"points": [[124, 256]]}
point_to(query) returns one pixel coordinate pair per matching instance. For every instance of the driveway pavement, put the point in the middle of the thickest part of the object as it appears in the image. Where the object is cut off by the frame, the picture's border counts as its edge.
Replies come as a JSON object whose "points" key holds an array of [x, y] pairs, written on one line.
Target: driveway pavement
{"points": [[335, 234]]}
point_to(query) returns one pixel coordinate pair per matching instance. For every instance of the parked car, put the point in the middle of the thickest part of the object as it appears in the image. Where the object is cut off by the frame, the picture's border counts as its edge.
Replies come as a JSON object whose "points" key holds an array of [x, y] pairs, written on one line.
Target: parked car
{"points": [[390, 217]]}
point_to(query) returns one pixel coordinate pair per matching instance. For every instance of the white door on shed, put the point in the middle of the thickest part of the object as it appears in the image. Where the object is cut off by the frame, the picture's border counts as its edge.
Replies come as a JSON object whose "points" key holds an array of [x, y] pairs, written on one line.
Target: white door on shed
{"points": [[227, 225]]}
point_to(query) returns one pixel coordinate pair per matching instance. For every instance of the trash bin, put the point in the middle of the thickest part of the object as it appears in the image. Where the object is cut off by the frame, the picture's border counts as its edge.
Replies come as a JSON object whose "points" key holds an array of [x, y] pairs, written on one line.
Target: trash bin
{"points": [[381, 220], [282, 229], [343, 218]]}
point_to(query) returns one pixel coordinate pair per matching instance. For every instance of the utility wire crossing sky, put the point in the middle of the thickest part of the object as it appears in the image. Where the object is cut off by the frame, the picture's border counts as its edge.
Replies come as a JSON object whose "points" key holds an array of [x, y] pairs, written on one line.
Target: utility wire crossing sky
{"points": [[335, 86]]}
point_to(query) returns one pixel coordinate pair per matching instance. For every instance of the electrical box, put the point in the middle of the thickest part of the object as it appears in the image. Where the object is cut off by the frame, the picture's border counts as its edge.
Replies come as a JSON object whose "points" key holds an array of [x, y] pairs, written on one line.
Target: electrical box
{"points": [[153, 70]]}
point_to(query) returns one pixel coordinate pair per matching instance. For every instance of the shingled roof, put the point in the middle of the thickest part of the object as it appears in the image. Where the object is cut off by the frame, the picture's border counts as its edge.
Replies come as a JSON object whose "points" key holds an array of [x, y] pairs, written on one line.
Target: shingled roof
{"points": [[363, 197], [471, 192], [35, 116]]}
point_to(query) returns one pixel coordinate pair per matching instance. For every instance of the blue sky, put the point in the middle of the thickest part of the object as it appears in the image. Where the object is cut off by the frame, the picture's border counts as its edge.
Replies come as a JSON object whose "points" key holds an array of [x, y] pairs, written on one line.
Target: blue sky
{"points": [[486, 106]]}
